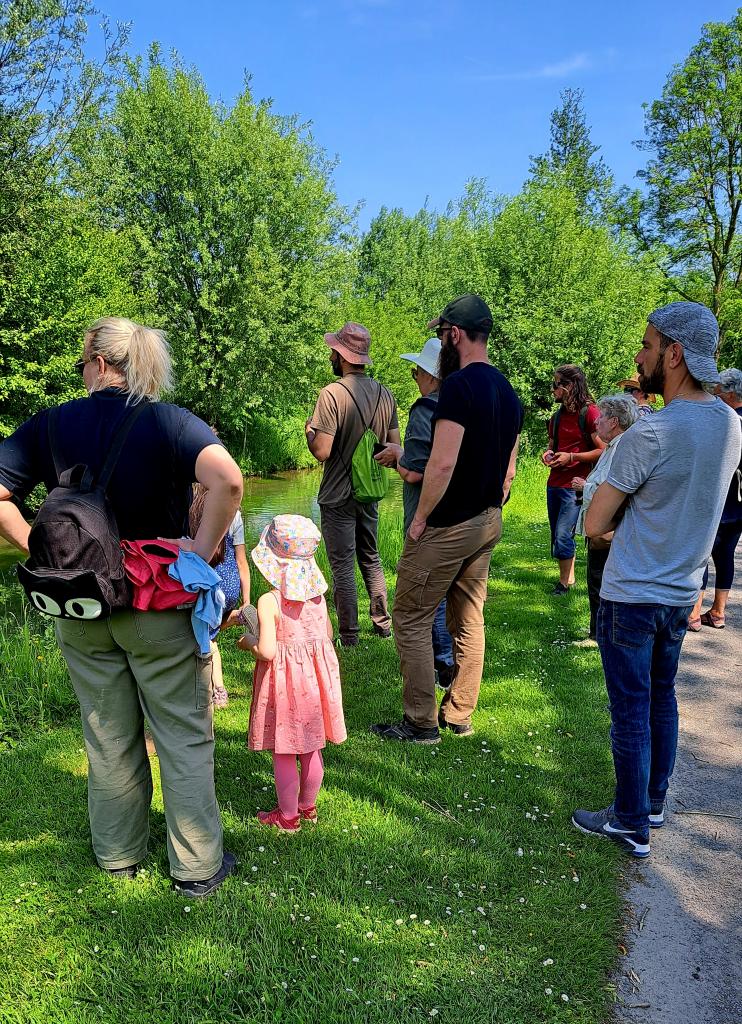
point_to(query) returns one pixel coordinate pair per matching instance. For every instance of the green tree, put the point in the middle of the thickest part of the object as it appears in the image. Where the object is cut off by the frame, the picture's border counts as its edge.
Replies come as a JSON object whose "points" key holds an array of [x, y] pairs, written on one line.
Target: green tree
{"points": [[573, 158], [241, 245], [689, 216]]}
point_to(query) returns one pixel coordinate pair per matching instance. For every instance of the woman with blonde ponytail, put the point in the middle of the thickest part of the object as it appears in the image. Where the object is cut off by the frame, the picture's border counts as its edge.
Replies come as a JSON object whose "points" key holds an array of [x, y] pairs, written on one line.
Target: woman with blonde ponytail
{"points": [[137, 663]]}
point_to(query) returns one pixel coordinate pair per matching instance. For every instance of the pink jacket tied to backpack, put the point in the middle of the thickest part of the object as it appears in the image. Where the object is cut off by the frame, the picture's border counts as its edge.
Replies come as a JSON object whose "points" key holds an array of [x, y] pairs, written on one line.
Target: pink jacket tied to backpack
{"points": [[146, 563]]}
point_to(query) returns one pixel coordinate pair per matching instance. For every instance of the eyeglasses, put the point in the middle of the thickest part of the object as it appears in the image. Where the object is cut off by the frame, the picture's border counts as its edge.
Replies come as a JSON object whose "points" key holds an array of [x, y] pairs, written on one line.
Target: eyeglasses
{"points": [[80, 364], [632, 391], [440, 331], [413, 371], [557, 384]]}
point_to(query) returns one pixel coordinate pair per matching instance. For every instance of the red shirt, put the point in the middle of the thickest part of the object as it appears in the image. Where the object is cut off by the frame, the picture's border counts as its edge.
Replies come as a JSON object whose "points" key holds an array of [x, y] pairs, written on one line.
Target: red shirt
{"points": [[571, 439]]}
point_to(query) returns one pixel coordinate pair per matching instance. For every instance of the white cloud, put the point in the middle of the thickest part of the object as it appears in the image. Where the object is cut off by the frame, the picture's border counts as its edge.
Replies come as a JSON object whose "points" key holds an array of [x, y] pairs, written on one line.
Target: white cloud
{"points": [[562, 68]]}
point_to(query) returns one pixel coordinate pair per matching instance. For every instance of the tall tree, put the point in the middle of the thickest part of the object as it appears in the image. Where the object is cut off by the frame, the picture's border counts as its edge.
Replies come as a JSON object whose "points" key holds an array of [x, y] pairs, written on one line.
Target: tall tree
{"points": [[573, 157], [690, 213]]}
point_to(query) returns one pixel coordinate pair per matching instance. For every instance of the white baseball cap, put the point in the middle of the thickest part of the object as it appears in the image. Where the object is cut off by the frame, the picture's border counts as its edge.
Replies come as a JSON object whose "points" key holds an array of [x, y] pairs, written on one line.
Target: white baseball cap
{"points": [[428, 358]]}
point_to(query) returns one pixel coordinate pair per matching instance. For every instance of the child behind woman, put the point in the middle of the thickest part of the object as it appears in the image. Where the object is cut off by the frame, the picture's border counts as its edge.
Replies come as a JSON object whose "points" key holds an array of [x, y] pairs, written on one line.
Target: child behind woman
{"points": [[297, 701]]}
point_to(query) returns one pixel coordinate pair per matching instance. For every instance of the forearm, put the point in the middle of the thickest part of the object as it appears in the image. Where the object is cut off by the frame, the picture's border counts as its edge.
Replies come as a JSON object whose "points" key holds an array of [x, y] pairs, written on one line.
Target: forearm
{"points": [[221, 503], [591, 456], [13, 527], [435, 483]]}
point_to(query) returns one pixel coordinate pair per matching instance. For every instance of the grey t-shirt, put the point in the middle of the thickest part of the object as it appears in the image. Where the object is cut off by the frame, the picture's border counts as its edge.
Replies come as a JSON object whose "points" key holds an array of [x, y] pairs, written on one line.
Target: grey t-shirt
{"points": [[337, 414], [676, 467], [418, 444]]}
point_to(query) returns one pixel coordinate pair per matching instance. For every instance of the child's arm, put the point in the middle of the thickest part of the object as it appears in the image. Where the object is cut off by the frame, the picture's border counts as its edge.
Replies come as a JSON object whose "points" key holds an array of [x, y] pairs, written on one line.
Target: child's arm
{"points": [[265, 648], [329, 627]]}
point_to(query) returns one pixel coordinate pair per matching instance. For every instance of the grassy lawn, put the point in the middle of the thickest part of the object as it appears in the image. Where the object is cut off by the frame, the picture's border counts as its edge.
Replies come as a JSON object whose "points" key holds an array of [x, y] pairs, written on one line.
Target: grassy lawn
{"points": [[442, 883]]}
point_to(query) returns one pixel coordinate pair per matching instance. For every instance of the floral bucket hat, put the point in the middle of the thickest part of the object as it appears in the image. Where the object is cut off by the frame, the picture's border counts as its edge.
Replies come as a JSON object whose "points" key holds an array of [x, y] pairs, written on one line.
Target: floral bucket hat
{"points": [[285, 556]]}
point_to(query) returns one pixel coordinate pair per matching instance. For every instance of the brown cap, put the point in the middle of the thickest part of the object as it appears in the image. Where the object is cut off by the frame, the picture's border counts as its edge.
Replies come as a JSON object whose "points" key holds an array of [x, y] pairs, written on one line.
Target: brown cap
{"points": [[352, 341]]}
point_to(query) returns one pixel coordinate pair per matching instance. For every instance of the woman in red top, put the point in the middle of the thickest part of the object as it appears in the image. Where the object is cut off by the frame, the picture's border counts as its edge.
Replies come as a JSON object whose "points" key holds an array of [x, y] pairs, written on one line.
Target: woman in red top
{"points": [[573, 444]]}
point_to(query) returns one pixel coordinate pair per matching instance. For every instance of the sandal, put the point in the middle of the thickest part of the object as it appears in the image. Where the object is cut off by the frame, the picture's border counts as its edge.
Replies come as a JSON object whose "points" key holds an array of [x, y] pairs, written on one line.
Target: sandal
{"points": [[714, 621], [694, 625]]}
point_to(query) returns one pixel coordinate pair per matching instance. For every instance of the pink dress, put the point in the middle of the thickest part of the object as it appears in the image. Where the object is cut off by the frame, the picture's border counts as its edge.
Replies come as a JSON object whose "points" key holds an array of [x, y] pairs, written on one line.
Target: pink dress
{"points": [[297, 702]]}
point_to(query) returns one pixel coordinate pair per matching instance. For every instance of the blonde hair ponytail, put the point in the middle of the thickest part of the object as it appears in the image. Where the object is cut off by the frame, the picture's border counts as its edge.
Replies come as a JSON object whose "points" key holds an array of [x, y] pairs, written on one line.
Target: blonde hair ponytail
{"points": [[141, 355]]}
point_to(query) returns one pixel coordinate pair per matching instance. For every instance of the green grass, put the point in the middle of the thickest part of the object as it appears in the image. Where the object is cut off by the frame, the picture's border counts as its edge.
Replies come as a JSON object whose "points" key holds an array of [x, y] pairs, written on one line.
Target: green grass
{"points": [[435, 887]]}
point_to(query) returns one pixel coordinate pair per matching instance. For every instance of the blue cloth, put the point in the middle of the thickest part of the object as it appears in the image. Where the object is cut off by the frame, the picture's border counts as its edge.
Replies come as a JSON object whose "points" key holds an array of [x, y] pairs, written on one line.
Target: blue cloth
{"points": [[561, 504], [196, 576], [640, 647], [442, 642]]}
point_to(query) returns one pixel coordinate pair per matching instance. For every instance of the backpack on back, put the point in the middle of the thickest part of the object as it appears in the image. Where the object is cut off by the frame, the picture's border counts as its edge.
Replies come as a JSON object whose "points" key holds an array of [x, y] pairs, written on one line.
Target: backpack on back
{"points": [[75, 568], [368, 479]]}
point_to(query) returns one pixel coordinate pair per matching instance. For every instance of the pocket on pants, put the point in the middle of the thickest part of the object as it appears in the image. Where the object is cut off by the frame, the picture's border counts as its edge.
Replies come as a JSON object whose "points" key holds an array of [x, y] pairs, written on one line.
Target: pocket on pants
{"points": [[630, 626], [204, 681], [411, 586]]}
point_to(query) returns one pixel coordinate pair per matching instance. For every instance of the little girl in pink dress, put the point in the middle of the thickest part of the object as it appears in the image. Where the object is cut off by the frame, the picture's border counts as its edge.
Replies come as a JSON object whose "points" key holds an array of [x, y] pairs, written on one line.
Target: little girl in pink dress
{"points": [[297, 700]]}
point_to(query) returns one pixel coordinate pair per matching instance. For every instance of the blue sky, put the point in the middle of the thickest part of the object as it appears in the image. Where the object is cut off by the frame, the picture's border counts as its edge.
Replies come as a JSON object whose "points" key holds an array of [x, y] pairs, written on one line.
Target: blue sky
{"points": [[416, 97]]}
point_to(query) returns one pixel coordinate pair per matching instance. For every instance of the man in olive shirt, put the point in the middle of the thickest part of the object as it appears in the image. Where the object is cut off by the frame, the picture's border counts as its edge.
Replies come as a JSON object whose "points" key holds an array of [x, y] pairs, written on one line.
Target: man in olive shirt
{"points": [[345, 409]]}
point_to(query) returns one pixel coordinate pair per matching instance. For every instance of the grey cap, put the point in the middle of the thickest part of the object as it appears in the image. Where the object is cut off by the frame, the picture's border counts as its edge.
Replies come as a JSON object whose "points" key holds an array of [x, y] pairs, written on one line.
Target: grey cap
{"points": [[693, 326]]}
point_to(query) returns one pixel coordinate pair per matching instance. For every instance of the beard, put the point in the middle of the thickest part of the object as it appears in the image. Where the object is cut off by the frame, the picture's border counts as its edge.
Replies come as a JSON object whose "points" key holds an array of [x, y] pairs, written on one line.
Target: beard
{"points": [[335, 364], [655, 381], [449, 360]]}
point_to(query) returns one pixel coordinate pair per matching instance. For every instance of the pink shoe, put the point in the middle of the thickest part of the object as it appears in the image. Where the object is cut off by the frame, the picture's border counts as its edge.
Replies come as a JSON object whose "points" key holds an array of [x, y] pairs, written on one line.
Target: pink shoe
{"points": [[308, 814], [277, 820]]}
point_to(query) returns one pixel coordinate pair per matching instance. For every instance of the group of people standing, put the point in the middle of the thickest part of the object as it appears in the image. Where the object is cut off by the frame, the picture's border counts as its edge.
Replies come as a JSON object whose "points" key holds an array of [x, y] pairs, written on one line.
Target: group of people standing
{"points": [[457, 462]]}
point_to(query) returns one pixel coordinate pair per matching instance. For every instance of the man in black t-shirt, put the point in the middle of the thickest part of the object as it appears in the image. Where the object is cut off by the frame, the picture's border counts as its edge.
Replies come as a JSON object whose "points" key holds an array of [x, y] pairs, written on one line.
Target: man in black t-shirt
{"points": [[458, 521]]}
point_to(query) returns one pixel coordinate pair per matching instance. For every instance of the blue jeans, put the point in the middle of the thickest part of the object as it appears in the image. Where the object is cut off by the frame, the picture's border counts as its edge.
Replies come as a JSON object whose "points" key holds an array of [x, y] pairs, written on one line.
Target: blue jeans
{"points": [[640, 647], [561, 504], [442, 642]]}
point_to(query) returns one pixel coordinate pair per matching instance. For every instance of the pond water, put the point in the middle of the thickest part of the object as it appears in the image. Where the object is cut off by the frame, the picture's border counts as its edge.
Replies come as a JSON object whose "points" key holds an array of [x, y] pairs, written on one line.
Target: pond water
{"points": [[265, 497]]}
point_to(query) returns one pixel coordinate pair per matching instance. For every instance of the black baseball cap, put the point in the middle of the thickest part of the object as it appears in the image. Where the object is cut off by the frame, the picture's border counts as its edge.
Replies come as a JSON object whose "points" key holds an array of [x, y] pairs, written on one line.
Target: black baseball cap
{"points": [[468, 311]]}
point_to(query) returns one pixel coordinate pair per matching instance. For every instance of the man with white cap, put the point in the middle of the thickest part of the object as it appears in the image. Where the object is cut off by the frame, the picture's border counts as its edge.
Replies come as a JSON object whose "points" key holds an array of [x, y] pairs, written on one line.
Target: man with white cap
{"points": [[410, 461], [345, 410], [671, 475]]}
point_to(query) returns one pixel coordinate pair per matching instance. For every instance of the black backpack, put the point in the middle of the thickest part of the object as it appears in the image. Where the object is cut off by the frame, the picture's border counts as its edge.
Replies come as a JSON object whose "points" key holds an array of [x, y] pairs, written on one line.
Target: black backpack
{"points": [[75, 568]]}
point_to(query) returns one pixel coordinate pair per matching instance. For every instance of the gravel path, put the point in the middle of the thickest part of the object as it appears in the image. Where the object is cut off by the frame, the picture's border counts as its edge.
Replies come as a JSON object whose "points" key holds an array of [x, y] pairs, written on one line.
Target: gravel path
{"points": [[684, 923]]}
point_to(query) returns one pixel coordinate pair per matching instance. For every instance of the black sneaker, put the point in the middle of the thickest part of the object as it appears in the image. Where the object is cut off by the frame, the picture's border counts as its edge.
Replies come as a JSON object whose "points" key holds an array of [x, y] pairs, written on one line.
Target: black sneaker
{"points": [[195, 890], [605, 823], [559, 590], [444, 675], [350, 641], [384, 634], [406, 731], [657, 814], [458, 730], [130, 872]]}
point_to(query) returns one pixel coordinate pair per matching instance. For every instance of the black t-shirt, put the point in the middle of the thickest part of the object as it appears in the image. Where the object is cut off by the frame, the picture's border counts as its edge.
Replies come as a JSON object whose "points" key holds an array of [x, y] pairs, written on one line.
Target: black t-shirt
{"points": [[150, 490], [482, 401]]}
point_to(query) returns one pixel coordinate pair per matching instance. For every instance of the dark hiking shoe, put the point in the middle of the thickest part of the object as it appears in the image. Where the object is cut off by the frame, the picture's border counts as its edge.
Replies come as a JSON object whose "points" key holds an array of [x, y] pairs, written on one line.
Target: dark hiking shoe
{"points": [[406, 732], [656, 814], [605, 823], [130, 872], [463, 729], [350, 641], [195, 890], [384, 634], [444, 675], [559, 590]]}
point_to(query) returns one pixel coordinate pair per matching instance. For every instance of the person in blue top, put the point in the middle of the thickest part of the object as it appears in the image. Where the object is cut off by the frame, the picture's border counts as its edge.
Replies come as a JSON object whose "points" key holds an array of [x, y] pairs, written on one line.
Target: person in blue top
{"points": [[138, 664]]}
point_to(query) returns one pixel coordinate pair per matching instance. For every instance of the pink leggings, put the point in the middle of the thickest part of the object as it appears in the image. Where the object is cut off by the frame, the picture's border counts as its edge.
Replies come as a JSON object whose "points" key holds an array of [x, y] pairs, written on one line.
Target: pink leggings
{"points": [[296, 795]]}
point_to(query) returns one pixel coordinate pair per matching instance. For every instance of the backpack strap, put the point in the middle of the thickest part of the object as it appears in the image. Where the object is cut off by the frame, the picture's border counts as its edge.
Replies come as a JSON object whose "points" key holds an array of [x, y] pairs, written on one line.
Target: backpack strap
{"points": [[128, 421], [554, 421], [583, 429]]}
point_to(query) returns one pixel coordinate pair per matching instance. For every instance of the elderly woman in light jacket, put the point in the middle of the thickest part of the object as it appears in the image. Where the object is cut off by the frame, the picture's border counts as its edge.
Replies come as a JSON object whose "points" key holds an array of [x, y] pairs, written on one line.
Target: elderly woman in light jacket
{"points": [[617, 414]]}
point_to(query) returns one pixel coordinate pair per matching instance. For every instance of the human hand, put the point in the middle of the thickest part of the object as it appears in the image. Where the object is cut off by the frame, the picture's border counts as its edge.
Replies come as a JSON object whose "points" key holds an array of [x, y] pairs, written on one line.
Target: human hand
{"points": [[390, 456], [417, 528], [561, 460], [578, 483]]}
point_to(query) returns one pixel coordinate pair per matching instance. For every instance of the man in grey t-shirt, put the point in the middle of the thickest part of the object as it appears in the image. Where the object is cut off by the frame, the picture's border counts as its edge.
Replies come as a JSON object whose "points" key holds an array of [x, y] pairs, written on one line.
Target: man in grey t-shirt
{"points": [[669, 479]]}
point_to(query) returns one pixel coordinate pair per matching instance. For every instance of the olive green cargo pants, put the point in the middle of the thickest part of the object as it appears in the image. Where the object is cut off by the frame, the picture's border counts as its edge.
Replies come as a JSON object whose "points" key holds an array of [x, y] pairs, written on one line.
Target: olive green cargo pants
{"points": [[131, 666]]}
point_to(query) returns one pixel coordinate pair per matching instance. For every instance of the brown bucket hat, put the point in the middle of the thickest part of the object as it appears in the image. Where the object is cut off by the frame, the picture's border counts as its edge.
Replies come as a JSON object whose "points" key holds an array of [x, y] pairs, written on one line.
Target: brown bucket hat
{"points": [[633, 382], [352, 341]]}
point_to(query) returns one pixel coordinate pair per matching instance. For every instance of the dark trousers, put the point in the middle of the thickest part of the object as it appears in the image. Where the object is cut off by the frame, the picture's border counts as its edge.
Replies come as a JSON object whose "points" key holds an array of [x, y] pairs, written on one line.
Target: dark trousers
{"points": [[722, 553], [640, 648], [596, 559], [349, 532]]}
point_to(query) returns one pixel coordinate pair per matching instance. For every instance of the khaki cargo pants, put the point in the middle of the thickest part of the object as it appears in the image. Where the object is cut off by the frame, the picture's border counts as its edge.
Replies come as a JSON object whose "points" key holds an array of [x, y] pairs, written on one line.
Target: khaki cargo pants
{"points": [[131, 666], [453, 561]]}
